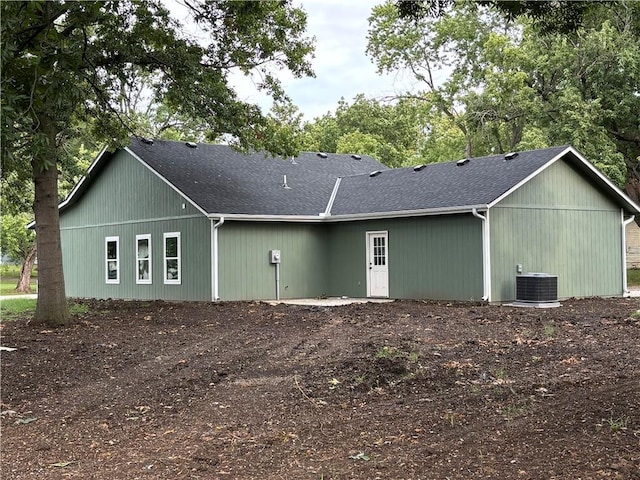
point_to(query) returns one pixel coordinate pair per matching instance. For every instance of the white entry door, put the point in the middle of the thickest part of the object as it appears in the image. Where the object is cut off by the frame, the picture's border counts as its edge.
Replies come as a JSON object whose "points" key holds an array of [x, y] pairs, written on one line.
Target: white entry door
{"points": [[377, 264]]}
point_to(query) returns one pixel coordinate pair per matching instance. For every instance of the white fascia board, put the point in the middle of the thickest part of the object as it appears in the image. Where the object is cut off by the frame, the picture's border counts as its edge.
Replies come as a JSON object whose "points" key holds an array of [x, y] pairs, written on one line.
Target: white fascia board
{"points": [[84, 179], [267, 218], [350, 217], [172, 186], [407, 213], [623, 196], [585, 163], [527, 179]]}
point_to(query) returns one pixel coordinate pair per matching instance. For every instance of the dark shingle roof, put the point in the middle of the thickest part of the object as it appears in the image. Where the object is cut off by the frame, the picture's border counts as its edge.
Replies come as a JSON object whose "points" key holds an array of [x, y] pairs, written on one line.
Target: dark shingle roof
{"points": [[439, 185], [221, 180]]}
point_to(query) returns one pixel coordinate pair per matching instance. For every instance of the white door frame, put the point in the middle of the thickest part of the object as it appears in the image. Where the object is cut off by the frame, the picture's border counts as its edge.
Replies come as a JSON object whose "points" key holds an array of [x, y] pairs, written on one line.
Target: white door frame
{"points": [[380, 290]]}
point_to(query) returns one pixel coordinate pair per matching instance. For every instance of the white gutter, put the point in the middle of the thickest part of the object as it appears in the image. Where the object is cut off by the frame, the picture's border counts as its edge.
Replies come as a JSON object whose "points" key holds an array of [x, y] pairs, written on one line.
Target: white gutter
{"points": [[625, 288], [346, 217], [486, 254], [215, 293]]}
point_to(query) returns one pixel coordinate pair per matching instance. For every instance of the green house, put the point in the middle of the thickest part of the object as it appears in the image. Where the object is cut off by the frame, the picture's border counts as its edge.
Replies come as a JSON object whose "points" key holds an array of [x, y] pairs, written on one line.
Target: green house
{"points": [[185, 221]]}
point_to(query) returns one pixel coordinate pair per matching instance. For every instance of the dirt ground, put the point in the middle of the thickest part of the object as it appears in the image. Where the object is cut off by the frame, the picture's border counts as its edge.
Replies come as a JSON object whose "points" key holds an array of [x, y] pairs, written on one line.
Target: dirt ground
{"points": [[403, 390]]}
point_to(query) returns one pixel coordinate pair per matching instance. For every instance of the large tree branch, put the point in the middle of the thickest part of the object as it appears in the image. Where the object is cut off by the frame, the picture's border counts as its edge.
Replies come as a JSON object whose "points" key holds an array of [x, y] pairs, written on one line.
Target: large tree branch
{"points": [[36, 30], [626, 137], [104, 102]]}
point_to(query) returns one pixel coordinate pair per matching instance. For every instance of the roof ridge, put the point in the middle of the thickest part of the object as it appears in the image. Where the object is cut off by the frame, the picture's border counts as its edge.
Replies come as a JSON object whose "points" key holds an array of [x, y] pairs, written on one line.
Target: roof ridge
{"points": [[150, 142]]}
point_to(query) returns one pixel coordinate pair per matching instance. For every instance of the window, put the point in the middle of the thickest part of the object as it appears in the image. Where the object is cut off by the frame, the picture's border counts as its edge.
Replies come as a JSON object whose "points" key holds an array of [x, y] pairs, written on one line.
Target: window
{"points": [[143, 259], [112, 259], [172, 258], [379, 251]]}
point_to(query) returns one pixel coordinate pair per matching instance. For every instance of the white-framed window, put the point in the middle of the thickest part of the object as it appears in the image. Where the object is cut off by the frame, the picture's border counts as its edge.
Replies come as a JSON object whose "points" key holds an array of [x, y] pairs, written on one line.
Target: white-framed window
{"points": [[143, 259], [112, 259], [172, 259]]}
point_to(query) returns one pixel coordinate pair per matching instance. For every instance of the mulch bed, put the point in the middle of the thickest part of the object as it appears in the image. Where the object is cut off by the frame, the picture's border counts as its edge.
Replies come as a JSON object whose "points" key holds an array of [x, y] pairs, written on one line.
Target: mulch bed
{"points": [[404, 390]]}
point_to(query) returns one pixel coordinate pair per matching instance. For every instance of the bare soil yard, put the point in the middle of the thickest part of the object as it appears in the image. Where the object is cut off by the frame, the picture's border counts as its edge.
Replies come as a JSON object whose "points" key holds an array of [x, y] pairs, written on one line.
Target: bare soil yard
{"points": [[403, 390]]}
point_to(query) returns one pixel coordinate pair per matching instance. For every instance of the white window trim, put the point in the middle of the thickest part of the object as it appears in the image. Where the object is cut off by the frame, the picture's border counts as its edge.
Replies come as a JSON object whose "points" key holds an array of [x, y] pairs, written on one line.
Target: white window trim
{"points": [[107, 240], [143, 281], [178, 280]]}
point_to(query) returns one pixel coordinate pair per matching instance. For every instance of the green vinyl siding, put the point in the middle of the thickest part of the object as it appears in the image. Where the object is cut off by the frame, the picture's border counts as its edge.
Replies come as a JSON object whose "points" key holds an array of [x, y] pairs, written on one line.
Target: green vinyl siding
{"points": [[557, 223], [245, 272], [125, 200], [429, 257], [84, 261], [126, 191]]}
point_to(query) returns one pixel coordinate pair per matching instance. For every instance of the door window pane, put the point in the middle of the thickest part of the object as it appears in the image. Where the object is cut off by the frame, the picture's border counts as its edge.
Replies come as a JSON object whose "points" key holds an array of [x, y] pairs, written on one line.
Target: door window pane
{"points": [[379, 251]]}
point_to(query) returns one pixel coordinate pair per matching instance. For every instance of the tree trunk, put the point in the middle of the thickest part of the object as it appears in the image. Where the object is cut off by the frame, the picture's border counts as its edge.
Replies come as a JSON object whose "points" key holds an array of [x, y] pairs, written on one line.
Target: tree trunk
{"points": [[24, 282], [51, 307], [632, 187]]}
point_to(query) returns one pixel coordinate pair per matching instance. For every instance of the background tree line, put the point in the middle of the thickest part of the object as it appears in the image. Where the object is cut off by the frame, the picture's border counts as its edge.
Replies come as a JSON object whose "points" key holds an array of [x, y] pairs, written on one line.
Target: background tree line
{"points": [[491, 79]]}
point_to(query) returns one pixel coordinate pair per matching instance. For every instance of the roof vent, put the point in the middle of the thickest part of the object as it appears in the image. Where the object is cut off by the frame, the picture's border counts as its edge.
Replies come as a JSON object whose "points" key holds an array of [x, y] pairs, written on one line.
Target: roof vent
{"points": [[417, 168], [462, 162], [376, 173], [285, 185], [356, 157], [148, 141], [511, 156], [191, 144], [322, 155]]}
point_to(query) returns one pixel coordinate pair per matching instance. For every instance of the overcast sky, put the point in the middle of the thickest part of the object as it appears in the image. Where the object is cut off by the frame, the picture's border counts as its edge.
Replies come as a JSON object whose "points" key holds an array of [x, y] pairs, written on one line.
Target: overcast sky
{"points": [[341, 65]]}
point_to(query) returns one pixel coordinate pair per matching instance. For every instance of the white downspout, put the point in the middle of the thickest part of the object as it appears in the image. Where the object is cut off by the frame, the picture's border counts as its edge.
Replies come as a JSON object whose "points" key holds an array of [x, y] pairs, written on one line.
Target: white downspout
{"points": [[215, 293], [486, 254], [625, 291]]}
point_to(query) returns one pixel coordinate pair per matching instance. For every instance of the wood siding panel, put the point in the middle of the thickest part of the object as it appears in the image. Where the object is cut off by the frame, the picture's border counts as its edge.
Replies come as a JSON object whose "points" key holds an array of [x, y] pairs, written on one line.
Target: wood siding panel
{"points": [[429, 257], [557, 223], [245, 272], [84, 261], [126, 200], [126, 191], [559, 186]]}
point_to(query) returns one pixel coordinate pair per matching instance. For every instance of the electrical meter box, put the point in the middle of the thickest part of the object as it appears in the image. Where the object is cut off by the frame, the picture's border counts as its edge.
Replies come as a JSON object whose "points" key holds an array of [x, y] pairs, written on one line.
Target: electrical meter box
{"points": [[274, 256]]}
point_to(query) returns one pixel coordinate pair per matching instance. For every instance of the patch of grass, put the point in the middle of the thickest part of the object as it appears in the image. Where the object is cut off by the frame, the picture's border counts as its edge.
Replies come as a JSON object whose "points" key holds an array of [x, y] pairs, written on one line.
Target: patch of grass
{"points": [[501, 374], [389, 352], [513, 410], [360, 379], [617, 424], [633, 276], [395, 352], [16, 307], [78, 308], [8, 286], [13, 308], [550, 329]]}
